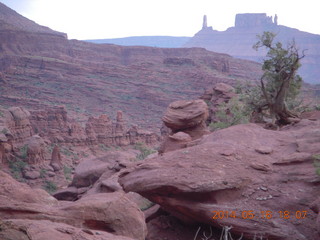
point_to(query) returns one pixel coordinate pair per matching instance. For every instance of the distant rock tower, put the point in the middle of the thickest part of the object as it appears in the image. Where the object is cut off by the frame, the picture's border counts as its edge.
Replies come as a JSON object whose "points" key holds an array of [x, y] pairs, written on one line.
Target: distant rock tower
{"points": [[276, 19], [204, 24]]}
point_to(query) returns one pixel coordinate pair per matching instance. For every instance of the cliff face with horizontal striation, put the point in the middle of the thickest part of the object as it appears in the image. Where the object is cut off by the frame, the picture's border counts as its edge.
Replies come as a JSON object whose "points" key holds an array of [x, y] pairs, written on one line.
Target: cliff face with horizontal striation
{"points": [[41, 69], [238, 41]]}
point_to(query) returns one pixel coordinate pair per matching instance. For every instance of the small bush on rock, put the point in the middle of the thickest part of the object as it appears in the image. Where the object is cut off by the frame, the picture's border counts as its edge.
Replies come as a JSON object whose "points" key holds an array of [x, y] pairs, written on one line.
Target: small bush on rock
{"points": [[316, 163], [16, 168], [232, 113], [144, 151], [50, 187]]}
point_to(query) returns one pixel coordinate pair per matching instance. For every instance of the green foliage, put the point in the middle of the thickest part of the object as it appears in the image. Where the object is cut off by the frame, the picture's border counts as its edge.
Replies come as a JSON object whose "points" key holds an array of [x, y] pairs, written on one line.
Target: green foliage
{"points": [[4, 131], [43, 173], [317, 107], [49, 186], [23, 152], [146, 204], [316, 163], [67, 171], [232, 113], [1, 114], [50, 148], [144, 151], [104, 147], [67, 152], [16, 168], [280, 82]]}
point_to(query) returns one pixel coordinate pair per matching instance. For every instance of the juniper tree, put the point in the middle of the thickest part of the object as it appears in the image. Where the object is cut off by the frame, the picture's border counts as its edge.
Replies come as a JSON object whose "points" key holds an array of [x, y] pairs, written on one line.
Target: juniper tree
{"points": [[280, 82]]}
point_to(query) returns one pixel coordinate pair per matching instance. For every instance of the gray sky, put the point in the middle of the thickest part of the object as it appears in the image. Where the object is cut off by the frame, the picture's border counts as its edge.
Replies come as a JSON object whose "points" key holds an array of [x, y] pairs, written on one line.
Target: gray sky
{"points": [[94, 19]]}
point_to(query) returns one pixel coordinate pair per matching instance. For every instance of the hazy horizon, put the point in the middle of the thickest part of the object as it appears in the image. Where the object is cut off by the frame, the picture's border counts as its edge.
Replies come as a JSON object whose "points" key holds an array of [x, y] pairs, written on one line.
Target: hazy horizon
{"points": [[98, 19]]}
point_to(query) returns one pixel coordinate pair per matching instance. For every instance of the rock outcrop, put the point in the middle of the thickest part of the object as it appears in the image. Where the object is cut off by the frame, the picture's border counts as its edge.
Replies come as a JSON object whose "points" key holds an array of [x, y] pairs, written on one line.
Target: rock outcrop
{"points": [[217, 95], [55, 124], [187, 116], [186, 121], [35, 150], [16, 121], [246, 20], [55, 162], [29, 213], [260, 182], [89, 171]]}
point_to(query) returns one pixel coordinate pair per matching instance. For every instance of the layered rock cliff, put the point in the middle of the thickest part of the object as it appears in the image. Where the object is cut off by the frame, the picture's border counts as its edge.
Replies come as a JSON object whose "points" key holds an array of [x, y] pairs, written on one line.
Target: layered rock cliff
{"points": [[238, 41], [40, 69]]}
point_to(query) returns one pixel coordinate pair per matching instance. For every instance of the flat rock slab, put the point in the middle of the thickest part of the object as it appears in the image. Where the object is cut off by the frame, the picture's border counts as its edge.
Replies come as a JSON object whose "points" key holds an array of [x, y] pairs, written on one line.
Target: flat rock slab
{"points": [[248, 188]]}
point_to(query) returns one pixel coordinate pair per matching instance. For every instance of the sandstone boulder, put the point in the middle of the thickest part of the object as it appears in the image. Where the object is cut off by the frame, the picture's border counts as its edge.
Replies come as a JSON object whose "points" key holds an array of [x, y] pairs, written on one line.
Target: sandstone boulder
{"points": [[18, 123], [35, 150], [187, 121], [32, 174], [111, 212], [18, 229], [55, 162], [106, 213], [89, 171], [175, 141], [225, 176], [182, 115]]}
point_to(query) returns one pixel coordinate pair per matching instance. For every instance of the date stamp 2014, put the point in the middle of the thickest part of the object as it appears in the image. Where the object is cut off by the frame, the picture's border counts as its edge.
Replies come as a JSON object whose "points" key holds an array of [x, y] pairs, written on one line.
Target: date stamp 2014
{"points": [[266, 214]]}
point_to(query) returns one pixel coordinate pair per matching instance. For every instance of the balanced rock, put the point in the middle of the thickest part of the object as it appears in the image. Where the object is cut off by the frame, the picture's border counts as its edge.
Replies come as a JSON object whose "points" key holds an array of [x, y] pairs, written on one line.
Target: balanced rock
{"points": [[186, 116]]}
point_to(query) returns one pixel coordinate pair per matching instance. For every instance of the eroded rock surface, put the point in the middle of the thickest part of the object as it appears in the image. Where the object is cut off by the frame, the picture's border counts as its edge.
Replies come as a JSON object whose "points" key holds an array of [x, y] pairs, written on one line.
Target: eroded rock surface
{"points": [[237, 170], [219, 94], [111, 214], [55, 124]]}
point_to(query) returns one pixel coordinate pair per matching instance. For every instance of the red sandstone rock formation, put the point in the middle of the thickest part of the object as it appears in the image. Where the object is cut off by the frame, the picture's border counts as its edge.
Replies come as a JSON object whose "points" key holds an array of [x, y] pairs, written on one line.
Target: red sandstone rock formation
{"points": [[98, 79], [243, 169], [186, 115], [215, 96], [95, 217], [55, 162], [58, 128], [187, 121], [35, 150]]}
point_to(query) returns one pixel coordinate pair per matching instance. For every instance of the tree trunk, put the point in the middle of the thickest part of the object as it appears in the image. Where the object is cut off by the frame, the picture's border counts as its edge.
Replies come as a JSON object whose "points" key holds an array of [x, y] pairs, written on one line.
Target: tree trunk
{"points": [[279, 107]]}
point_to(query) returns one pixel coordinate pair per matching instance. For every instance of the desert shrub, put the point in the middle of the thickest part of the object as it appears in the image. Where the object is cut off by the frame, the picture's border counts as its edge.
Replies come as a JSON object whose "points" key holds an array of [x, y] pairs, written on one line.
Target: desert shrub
{"points": [[67, 171], [23, 152], [66, 152], [49, 186], [280, 83], [104, 147], [316, 163], [1, 114], [4, 131], [232, 113], [16, 167], [50, 148], [43, 173], [144, 150]]}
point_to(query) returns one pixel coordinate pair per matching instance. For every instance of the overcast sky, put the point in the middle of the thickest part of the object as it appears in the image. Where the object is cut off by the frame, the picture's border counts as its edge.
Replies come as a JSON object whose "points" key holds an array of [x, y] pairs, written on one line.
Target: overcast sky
{"points": [[96, 19]]}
